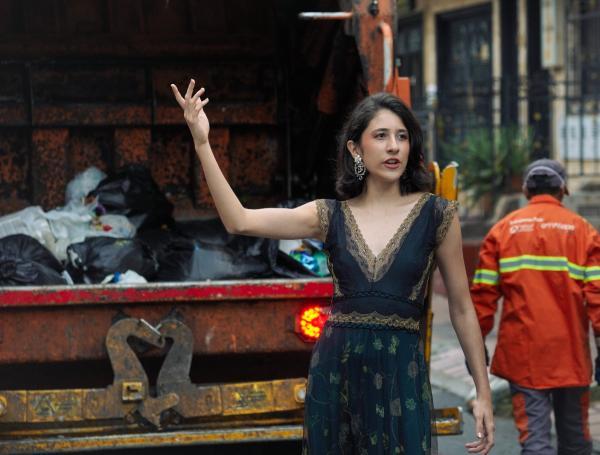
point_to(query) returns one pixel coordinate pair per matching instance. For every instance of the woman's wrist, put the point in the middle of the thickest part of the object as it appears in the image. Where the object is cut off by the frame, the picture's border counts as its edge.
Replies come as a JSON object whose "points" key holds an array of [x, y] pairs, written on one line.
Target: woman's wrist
{"points": [[200, 144], [484, 395]]}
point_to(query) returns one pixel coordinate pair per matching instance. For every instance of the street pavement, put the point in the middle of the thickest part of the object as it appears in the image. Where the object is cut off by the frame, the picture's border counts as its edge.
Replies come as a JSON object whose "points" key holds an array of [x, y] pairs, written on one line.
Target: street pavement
{"points": [[453, 384]]}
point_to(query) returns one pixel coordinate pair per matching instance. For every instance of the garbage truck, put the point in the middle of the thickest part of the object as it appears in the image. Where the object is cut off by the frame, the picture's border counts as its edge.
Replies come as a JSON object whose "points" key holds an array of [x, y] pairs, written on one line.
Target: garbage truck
{"points": [[86, 83]]}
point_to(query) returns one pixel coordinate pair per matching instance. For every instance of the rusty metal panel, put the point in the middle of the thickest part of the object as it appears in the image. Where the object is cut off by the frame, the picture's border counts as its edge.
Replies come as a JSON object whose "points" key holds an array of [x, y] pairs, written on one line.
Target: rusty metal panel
{"points": [[171, 163], [202, 291], [89, 82], [13, 406], [225, 113], [13, 115], [132, 145], [254, 161], [85, 16], [246, 399], [14, 169], [70, 332], [125, 17], [283, 431], [46, 17], [370, 36], [89, 148], [160, 19], [49, 166], [54, 405], [101, 115], [6, 17], [77, 333]]}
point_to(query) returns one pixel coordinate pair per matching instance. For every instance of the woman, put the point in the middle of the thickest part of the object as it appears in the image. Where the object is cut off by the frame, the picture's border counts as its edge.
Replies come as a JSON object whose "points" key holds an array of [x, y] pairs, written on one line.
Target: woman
{"points": [[368, 390]]}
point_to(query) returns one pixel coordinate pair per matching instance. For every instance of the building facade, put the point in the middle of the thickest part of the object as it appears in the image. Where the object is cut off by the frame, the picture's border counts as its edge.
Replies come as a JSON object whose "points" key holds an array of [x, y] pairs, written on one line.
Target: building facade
{"points": [[485, 64]]}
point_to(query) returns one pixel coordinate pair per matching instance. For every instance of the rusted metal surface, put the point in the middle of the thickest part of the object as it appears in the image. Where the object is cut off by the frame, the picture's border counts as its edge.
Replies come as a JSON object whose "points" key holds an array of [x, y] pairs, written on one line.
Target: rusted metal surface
{"points": [[61, 420], [89, 148], [50, 166], [251, 433], [174, 375], [127, 402], [91, 115], [69, 323], [369, 39], [132, 145], [128, 95], [13, 115], [197, 292], [129, 395], [226, 114], [447, 422], [14, 168], [75, 333], [254, 161]]}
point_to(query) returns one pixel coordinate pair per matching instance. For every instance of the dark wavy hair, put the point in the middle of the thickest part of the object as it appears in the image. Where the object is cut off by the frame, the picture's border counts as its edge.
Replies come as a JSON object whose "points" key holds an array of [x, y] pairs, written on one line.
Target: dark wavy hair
{"points": [[415, 178]]}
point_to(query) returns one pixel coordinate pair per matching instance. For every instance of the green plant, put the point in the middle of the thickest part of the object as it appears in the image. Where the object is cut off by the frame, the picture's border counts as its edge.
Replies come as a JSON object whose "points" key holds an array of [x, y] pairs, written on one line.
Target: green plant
{"points": [[491, 160]]}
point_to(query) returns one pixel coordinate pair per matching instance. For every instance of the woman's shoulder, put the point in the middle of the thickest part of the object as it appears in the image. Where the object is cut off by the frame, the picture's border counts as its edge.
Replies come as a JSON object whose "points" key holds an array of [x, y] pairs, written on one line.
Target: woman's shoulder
{"points": [[442, 211], [442, 204], [326, 204]]}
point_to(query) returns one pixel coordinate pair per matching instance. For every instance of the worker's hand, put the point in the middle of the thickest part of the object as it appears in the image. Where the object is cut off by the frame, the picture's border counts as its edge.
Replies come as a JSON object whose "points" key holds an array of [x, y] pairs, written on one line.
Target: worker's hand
{"points": [[484, 427], [487, 359], [193, 111]]}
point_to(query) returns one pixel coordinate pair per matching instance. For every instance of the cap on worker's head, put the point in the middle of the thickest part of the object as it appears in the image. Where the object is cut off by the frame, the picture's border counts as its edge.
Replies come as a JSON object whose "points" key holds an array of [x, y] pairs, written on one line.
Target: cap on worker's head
{"points": [[553, 172]]}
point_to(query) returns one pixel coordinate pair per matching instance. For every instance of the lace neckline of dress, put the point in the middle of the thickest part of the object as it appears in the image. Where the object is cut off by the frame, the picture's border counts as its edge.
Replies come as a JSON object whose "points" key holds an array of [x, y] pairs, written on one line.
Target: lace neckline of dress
{"points": [[375, 266]]}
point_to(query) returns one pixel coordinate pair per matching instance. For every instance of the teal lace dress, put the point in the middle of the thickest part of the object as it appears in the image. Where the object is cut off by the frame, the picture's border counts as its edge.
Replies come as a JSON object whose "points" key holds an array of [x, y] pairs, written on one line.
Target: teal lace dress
{"points": [[368, 385]]}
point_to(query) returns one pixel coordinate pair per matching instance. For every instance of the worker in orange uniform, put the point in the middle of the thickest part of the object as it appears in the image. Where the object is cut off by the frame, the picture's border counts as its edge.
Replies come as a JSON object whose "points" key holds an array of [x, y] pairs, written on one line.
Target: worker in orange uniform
{"points": [[545, 261]]}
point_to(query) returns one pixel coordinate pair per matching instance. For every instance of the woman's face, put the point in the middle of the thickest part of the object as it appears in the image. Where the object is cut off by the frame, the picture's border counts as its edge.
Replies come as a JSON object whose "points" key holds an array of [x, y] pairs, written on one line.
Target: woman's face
{"points": [[384, 146]]}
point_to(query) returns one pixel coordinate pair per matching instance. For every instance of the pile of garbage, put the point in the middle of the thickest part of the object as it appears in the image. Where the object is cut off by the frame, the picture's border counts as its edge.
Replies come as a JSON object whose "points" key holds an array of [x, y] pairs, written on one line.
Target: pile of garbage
{"points": [[120, 229]]}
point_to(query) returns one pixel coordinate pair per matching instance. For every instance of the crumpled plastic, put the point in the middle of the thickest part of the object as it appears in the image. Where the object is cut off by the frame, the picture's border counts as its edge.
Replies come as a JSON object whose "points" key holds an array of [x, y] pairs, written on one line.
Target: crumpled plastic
{"points": [[95, 258], [133, 192], [25, 261], [79, 187], [129, 277]]}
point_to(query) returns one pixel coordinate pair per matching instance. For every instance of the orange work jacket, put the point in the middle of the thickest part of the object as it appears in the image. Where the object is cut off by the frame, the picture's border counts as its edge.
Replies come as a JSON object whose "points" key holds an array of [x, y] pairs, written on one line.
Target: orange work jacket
{"points": [[545, 261]]}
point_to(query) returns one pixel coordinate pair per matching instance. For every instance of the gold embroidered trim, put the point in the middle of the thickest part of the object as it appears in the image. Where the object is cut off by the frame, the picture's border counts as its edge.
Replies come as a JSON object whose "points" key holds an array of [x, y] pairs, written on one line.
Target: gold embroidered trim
{"points": [[374, 267], [392, 321], [336, 285], [424, 277], [324, 215], [449, 211]]}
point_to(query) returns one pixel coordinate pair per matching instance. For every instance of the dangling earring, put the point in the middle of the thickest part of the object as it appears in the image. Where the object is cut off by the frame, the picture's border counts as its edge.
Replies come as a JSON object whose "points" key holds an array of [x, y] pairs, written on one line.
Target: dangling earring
{"points": [[359, 167]]}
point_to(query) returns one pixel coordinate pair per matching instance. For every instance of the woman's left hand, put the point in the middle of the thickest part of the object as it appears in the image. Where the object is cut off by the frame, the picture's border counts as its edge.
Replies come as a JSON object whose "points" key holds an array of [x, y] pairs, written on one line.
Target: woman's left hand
{"points": [[484, 427]]}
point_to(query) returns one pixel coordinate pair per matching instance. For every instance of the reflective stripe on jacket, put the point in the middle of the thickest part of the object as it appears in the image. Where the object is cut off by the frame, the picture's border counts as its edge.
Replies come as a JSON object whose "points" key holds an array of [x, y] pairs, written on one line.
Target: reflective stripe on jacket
{"points": [[545, 261]]}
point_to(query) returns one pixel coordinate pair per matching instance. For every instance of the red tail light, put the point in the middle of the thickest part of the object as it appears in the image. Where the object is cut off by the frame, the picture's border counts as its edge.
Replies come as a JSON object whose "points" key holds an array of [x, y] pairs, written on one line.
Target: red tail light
{"points": [[310, 322]]}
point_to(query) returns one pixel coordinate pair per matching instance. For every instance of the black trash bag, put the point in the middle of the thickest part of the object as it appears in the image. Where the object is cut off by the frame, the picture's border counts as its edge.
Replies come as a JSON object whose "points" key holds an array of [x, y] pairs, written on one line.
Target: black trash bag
{"points": [[133, 192], [26, 262], [95, 258], [159, 239], [191, 260], [259, 249], [211, 231]]}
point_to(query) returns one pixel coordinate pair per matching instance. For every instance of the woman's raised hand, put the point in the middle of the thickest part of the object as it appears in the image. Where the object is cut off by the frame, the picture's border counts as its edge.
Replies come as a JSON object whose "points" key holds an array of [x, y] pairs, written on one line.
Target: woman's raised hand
{"points": [[193, 112]]}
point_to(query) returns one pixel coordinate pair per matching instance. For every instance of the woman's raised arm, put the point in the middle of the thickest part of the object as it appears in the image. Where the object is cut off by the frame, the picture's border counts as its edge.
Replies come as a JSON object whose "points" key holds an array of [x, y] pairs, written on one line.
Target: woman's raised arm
{"points": [[301, 222]]}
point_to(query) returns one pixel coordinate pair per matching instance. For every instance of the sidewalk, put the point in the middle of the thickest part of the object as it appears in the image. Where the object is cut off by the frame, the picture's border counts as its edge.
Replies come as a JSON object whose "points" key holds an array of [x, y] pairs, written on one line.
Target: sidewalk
{"points": [[448, 371]]}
